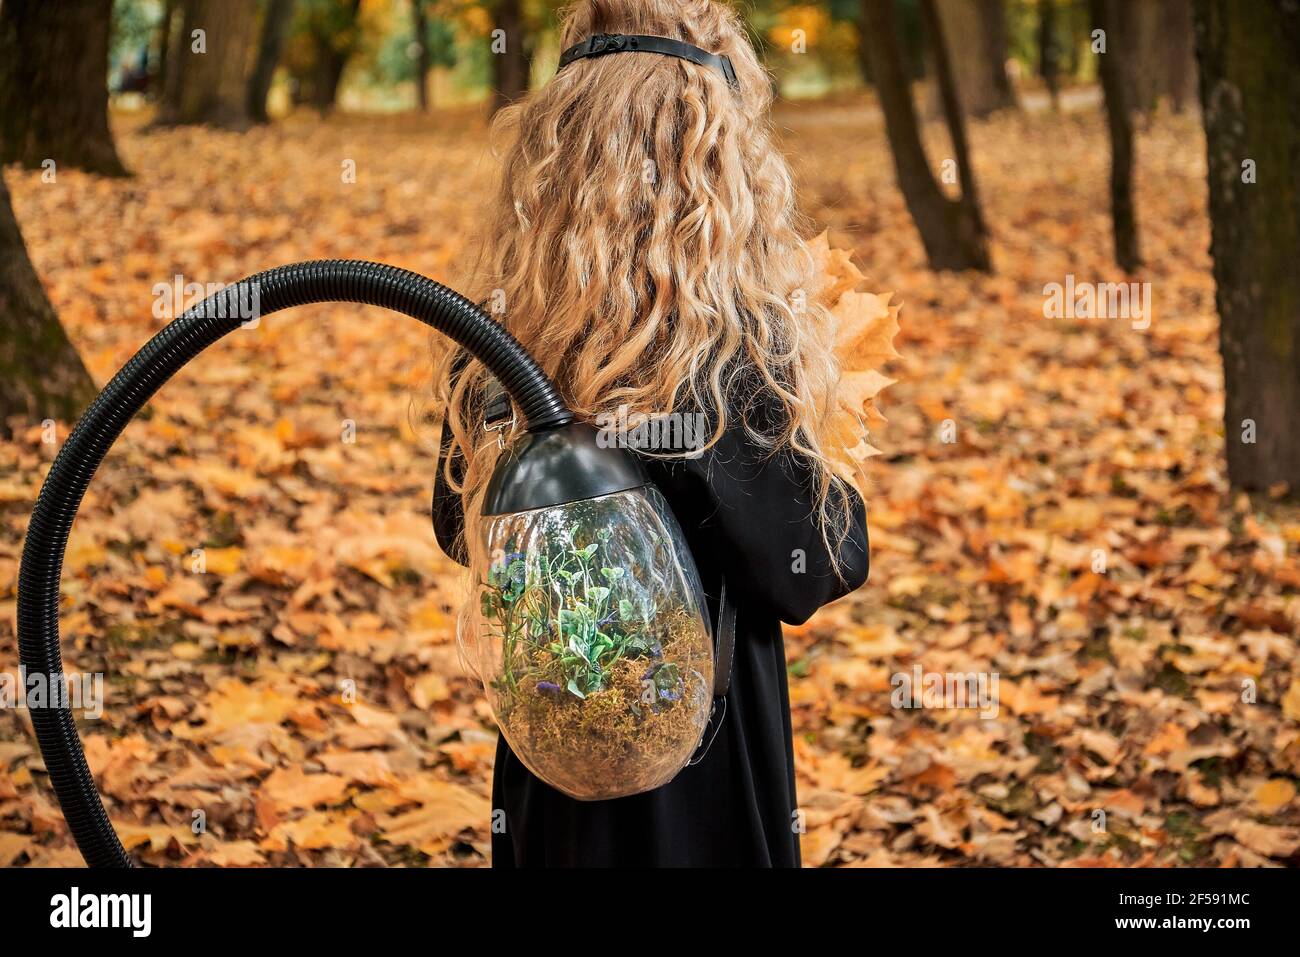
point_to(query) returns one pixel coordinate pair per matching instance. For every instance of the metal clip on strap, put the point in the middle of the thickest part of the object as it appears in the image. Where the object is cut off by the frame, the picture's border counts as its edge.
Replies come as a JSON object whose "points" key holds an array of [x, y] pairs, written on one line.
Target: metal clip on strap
{"points": [[499, 412]]}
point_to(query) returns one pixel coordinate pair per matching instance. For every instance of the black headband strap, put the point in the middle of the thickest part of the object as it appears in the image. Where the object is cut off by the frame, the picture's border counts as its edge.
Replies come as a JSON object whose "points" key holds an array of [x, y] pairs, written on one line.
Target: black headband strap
{"points": [[603, 43]]}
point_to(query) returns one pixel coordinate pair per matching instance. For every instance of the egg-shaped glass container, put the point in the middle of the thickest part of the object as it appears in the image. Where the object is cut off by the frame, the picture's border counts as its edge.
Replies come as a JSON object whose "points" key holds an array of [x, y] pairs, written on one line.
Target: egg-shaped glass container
{"points": [[594, 643]]}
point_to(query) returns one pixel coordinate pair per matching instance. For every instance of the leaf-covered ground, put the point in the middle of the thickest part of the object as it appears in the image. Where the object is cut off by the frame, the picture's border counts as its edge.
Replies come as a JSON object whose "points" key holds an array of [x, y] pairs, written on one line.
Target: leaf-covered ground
{"points": [[1050, 507]]}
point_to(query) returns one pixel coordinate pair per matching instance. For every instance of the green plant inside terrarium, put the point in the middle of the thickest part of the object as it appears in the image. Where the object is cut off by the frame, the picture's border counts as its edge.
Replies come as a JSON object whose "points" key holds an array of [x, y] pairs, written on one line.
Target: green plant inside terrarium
{"points": [[582, 614]]}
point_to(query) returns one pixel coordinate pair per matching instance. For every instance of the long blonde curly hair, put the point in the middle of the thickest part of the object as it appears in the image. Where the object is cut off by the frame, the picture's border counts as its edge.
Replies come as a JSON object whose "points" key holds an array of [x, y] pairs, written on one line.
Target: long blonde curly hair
{"points": [[643, 248]]}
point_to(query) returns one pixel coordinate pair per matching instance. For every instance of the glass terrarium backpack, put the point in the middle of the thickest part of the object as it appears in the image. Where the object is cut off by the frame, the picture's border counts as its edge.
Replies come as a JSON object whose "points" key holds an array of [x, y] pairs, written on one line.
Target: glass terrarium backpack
{"points": [[590, 629]]}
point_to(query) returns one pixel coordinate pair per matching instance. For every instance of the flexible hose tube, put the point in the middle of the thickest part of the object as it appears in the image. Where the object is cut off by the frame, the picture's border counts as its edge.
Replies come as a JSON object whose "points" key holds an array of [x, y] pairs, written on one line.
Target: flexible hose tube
{"points": [[47, 536]]}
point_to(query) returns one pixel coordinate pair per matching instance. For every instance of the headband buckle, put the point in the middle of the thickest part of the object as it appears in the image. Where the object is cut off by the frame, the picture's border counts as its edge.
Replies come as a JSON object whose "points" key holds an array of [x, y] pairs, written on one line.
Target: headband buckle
{"points": [[606, 43]]}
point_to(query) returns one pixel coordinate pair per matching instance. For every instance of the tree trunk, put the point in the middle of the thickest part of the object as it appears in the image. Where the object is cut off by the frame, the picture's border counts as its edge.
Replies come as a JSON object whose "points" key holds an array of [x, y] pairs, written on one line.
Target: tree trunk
{"points": [[978, 61], [1249, 55], [166, 27], [1141, 48], [1115, 67], [275, 25], [329, 74], [1163, 61], [41, 375], [335, 38], [1179, 81], [420, 27], [510, 60], [952, 111], [997, 50], [54, 85], [1048, 60], [207, 74], [1076, 21], [864, 58], [952, 231]]}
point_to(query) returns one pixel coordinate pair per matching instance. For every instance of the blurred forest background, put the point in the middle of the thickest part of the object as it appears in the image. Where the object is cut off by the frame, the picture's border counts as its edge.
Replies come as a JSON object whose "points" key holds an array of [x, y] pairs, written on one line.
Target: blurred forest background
{"points": [[1092, 499]]}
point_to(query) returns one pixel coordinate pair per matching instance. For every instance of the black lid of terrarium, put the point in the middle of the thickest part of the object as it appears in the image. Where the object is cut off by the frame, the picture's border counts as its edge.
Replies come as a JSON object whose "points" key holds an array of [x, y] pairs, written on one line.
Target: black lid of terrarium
{"points": [[556, 466]]}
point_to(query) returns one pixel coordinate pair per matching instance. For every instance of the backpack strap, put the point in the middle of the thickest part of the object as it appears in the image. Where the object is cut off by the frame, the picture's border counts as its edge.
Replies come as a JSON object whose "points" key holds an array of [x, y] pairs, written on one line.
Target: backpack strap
{"points": [[724, 641], [724, 655], [496, 406]]}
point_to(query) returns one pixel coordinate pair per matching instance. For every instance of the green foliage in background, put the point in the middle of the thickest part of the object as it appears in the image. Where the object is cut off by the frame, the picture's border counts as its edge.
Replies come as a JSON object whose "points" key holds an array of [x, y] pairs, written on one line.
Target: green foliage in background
{"points": [[135, 23]]}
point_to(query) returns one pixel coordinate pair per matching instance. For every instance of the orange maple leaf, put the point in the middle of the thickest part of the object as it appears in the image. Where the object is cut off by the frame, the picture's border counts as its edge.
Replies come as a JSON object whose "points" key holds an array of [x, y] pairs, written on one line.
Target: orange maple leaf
{"points": [[864, 325]]}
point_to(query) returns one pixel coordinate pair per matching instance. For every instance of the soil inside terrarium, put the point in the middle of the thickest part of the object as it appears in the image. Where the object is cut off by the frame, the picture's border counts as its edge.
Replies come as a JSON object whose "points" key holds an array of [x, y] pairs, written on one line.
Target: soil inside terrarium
{"points": [[621, 738]]}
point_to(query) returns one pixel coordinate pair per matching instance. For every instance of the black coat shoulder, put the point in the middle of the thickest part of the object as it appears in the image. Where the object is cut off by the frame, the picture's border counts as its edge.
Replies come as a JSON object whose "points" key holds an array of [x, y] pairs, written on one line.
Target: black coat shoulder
{"points": [[754, 513]]}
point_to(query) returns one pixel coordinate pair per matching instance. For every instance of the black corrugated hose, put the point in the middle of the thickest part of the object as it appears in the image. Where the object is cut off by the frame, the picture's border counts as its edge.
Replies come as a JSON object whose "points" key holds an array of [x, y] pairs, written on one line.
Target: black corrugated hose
{"points": [[47, 536]]}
